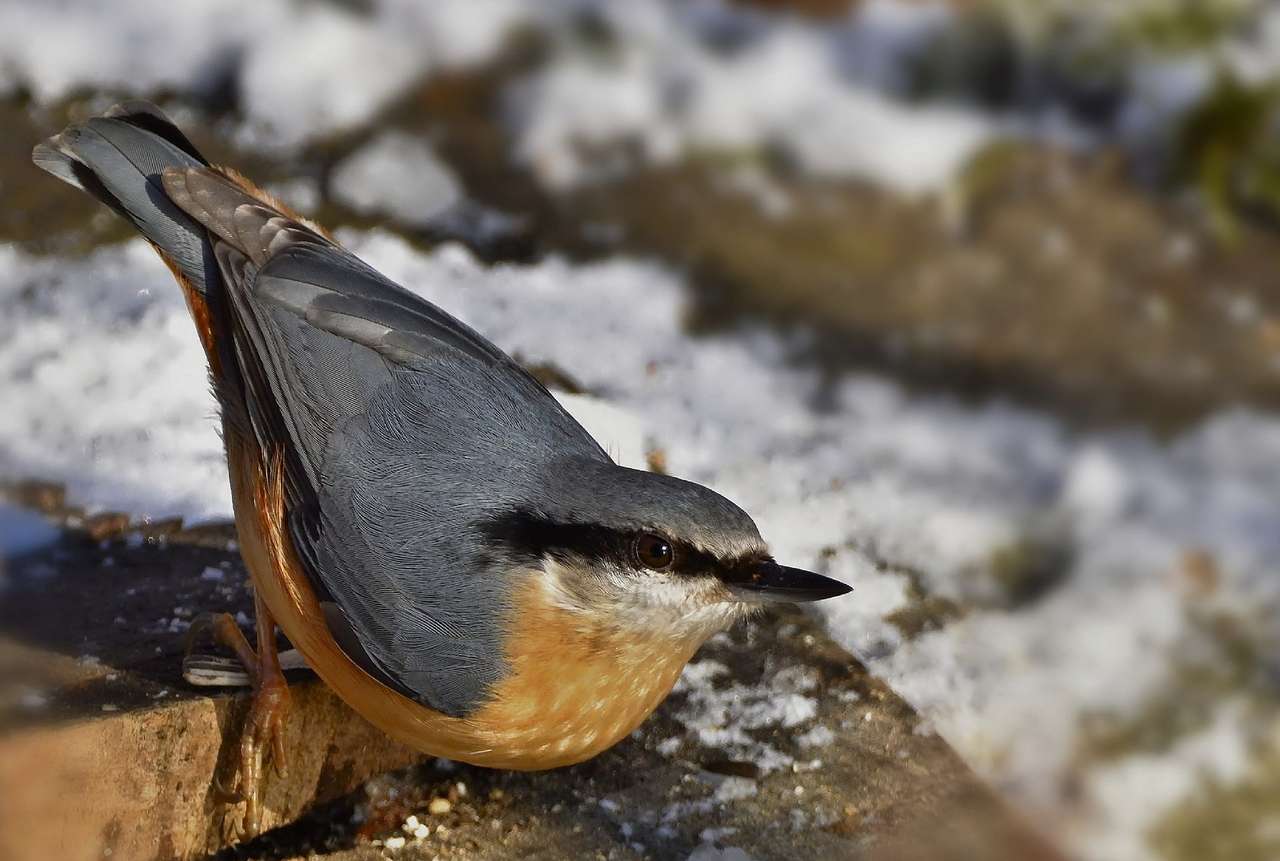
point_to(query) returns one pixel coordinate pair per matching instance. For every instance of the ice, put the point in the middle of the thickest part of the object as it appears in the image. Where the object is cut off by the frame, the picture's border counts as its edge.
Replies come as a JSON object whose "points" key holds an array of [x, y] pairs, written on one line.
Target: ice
{"points": [[22, 532]]}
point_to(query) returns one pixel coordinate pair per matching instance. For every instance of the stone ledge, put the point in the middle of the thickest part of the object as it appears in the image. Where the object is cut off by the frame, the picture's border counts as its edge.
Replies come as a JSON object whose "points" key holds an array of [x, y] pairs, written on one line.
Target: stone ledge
{"points": [[138, 784], [104, 747]]}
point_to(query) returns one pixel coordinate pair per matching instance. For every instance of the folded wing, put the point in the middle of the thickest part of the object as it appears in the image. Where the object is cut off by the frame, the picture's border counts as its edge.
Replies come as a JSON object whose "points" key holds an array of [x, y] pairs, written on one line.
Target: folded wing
{"points": [[400, 430]]}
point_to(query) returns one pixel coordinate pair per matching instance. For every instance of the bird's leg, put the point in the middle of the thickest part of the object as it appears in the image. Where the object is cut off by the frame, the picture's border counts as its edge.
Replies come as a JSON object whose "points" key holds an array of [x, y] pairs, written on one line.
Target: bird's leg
{"points": [[264, 724], [223, 630]]}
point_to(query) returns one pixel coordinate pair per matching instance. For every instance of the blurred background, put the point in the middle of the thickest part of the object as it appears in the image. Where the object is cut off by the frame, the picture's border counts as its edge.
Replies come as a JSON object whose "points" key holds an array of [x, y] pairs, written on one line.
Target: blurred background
{"points": [[973, 304]]}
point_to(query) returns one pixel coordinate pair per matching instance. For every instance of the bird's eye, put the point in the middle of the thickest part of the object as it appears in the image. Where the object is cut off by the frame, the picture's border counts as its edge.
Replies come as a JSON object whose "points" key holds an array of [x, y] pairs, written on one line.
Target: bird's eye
{"points": [[654, 551]]}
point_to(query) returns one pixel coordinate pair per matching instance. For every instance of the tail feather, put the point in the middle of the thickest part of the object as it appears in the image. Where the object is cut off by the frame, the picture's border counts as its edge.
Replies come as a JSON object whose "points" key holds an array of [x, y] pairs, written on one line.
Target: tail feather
{"points": [[118, 158]]}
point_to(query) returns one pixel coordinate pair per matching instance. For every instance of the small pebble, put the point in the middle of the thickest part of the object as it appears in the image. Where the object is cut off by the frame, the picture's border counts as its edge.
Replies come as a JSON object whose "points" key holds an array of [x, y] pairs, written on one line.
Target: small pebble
{"points": [[416, 829], [439, 806]]}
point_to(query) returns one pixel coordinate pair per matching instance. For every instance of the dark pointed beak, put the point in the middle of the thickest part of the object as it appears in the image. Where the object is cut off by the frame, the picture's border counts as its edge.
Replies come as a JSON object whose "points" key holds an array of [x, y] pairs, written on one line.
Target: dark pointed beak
{"points": [[769, 581]]}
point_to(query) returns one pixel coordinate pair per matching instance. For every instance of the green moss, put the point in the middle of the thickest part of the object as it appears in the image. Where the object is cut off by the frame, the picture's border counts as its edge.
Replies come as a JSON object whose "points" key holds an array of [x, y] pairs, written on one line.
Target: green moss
{"points": [[1152, 25], [1183, 709], [1226, 148], [927, 613], [976, 59], [923, 611], [1226, 822], [1239, 821], [1228, 663], [978, 184], [1026, 570], [1183, 25]]}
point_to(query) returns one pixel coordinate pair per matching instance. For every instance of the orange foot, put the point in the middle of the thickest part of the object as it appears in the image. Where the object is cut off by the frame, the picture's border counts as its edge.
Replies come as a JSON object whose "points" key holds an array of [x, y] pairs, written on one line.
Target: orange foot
{"points": [[263, 727]]}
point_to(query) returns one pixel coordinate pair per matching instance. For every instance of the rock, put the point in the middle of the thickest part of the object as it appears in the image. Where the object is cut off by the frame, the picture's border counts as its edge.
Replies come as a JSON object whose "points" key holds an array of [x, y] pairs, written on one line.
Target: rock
{"points": [[103, 747], [138, 781], [109, 524]]}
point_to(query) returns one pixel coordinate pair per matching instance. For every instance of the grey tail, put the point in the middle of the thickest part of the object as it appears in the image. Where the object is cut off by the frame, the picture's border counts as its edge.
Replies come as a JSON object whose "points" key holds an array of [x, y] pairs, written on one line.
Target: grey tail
{"points": [[118, 158]]}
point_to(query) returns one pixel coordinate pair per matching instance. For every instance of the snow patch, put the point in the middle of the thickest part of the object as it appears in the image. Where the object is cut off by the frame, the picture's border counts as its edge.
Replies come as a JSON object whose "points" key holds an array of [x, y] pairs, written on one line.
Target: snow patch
{"points": [[397, 175], [666, 88]]}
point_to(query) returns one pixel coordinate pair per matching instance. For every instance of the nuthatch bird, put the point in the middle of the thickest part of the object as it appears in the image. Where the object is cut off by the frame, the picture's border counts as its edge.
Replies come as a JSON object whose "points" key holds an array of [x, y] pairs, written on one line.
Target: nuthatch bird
{"points": [[450, 551]]}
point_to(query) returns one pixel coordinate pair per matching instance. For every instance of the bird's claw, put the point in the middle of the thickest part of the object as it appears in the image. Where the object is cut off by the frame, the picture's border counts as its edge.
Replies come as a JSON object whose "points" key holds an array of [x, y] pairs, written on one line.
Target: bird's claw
{"points": [[262, 736], [262, 733]]}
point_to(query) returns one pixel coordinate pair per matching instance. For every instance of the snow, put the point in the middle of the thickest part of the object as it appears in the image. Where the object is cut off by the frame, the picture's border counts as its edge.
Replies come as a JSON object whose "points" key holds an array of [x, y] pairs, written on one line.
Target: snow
{"points": [[669, 79], [667, 89], [104, 359], [714, 852], [735, 789], [819, 736], [295, 85], [720, 717], [397, 175], [1131, 795], [304, 70], [614, 428], [314, 70], [54, 48]]}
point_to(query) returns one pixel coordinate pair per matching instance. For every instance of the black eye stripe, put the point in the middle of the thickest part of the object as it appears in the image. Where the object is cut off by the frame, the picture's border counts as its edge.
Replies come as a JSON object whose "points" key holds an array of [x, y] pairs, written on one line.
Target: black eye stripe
{"points": [[532, 537]]}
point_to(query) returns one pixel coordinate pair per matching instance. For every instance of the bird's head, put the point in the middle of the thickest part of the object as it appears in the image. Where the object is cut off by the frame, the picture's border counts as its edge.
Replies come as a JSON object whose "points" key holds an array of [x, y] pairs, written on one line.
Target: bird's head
{"points": [[653, 553]]}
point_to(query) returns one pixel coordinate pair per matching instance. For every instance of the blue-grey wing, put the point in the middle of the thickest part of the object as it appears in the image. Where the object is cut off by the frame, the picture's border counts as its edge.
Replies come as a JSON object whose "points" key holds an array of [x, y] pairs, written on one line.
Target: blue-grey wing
{"points": [[402, 429]]}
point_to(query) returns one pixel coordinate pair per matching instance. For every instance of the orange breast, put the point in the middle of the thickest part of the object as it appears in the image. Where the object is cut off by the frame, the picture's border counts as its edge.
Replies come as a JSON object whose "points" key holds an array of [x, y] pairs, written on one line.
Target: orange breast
{"points": [[574, 690]]}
